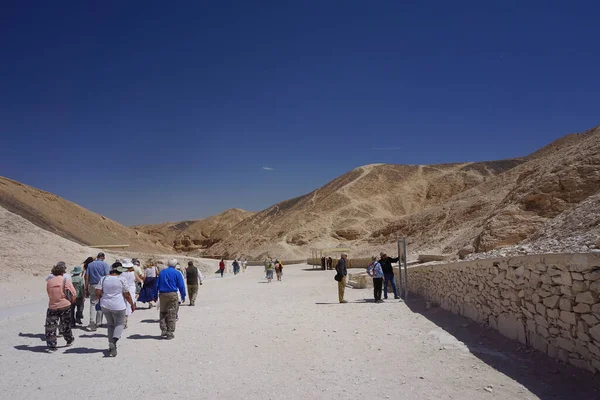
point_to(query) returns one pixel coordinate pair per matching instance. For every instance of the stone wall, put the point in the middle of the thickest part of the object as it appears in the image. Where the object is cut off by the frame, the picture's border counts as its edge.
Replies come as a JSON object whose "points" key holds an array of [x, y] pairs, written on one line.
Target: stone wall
{"points": [[549, 302]]}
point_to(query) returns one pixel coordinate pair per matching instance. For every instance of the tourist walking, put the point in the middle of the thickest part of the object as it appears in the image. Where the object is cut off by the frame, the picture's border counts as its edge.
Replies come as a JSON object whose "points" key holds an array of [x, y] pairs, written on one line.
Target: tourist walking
{"points": [[193, 278], [95, 271], [374, 270], [269, 268], [149, 292], [388, 274], [222, 267], [170, 281], [129, 277], [278, 269], [236, 267], [139, 276], [244, 264], [79, 285], [342, 272], [86, 263], [329, 263], [115, 296], [61, 295]]}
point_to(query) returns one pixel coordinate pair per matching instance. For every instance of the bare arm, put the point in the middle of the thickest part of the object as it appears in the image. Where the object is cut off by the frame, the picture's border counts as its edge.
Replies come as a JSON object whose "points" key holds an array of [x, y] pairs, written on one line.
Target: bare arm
{"points": [[127, 296]]}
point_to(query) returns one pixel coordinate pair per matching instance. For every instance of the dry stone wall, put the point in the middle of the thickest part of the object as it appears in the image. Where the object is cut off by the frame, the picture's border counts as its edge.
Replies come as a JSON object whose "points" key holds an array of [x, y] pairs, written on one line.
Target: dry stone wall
{"points": [[549, 302]]}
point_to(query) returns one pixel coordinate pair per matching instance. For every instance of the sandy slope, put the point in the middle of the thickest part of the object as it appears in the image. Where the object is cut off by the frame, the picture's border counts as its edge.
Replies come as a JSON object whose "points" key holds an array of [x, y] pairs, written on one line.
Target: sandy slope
{"points": [[289, 340]]}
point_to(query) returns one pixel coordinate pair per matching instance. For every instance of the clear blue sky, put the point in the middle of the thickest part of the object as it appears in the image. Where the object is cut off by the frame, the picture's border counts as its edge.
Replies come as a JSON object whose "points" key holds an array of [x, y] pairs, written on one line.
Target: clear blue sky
{"points": [[149, 111]]}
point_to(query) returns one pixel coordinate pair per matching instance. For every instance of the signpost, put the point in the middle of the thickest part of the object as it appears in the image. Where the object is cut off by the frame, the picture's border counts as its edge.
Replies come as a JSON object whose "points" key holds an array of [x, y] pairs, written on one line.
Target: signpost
{"points": [[402, 255]]}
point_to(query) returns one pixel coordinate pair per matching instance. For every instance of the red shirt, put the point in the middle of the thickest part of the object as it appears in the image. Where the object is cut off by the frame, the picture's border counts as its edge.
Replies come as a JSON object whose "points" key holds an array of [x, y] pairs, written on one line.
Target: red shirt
{"points": [[221, 265]]}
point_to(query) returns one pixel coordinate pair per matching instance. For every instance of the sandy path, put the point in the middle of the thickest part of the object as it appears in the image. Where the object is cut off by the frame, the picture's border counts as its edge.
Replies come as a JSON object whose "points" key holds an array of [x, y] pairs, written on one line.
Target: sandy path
{"points": [[284, 340]]}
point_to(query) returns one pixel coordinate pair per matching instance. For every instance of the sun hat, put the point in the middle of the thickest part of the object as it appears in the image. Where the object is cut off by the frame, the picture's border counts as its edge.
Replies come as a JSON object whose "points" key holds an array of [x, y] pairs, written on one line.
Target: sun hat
{"points": [[117, 266], [77, 270], [126, 262]]}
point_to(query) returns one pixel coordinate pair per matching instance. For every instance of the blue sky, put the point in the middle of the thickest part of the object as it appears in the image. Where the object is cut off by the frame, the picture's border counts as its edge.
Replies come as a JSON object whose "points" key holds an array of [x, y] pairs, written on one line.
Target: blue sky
{"points": [[164, 111]]}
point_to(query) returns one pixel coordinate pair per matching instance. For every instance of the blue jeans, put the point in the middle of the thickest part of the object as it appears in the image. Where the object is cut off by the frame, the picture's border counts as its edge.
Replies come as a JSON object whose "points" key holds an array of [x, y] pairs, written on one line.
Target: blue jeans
{"points": [[389, 278]]}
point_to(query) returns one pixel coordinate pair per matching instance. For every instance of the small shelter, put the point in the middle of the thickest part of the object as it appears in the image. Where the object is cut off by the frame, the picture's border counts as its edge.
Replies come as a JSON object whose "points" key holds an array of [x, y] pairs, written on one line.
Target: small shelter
{"points": [[318, 254]]}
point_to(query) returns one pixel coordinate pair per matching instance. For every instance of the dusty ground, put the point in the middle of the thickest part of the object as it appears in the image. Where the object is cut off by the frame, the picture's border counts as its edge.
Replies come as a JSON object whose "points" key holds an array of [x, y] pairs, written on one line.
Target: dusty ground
{"points": [[284, 340]]}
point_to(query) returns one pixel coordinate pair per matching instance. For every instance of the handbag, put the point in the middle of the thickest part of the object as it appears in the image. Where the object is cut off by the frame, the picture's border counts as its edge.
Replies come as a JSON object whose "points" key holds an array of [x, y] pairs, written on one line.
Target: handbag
{"points": [[338, 277], [68, 295]]}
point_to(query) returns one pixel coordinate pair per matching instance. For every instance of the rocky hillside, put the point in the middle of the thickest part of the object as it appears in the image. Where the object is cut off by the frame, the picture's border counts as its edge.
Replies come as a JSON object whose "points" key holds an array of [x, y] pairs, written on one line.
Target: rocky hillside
{"points": [[69, 220], [199, 234]]}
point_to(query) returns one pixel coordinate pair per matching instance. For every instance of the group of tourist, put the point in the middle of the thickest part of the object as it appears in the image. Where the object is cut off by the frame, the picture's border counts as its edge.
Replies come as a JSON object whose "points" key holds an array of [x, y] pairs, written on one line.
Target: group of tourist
{"points": [[237, 266], [273, 267], [380, 270], [113, 292]]}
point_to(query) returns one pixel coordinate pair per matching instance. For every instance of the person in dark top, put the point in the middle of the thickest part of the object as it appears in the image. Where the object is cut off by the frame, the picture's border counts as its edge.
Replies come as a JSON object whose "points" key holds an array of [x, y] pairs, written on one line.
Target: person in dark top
{"points": [[388, 274], [341, 269], [193, 278], [329, 263], [323, 263]]}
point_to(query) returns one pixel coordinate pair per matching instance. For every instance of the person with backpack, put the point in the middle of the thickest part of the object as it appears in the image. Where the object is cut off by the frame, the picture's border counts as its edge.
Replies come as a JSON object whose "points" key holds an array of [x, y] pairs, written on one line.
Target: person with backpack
{"points": [[374, 270], [236, 267], [342, 272], [79, 285], [269, 268], [61, 295]]}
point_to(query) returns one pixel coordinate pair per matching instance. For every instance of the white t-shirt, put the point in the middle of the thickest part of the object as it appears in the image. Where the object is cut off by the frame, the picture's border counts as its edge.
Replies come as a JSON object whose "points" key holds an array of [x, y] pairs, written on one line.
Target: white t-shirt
{"points": [[113, 288], [129, 278]]}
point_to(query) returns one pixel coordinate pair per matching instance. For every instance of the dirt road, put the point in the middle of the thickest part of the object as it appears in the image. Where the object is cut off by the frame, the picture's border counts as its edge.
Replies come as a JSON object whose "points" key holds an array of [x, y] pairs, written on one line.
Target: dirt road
{"points": [[284, 340]]}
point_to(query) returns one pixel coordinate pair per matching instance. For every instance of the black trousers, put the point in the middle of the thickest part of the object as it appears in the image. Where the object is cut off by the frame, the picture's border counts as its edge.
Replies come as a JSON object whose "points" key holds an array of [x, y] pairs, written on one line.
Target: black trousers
{"points": [[377, 286]]}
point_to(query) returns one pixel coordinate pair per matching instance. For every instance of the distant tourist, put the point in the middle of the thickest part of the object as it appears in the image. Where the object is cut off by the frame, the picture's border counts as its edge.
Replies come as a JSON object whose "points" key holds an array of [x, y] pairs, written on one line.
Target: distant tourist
{"points": [[278, 269], [222, 267], [115, 297], [329, 263], [388, 274], [236, 267], [193, 277], [86, 263], [170, 281], [129, 277], [323, 261], [244, 264], [149, 292], [79, 285], [374, 270], [95, 271], [139, 276], [342, 272], [59, 290], [269, 268]]}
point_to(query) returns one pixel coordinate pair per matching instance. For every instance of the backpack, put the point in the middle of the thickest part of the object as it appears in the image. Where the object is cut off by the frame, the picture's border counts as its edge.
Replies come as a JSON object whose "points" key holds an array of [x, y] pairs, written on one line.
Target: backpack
{"points": [[78, 283], [68, 295]]}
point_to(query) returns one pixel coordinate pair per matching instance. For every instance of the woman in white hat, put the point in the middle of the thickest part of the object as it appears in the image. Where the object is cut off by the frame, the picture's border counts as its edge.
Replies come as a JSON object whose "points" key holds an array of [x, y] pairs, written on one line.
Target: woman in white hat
{"points": [[129, 278]]}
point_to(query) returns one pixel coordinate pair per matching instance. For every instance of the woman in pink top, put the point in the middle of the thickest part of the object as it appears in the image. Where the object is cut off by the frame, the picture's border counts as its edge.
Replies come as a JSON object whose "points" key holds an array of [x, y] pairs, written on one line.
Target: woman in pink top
{"points": [[59, 306]]}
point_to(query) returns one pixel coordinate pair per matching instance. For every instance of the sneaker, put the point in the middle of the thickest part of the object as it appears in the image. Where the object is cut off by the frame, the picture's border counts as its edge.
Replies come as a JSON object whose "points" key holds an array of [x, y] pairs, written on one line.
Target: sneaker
{"points": [[51, 350], [70, 342], [343, 302], [163, 333], [385, 298], [170, 336], [112, 349], [92, 328], [396, 297]]}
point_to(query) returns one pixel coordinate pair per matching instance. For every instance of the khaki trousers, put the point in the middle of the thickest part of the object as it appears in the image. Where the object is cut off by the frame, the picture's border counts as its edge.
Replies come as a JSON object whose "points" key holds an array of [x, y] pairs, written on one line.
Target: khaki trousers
{"points": [[192, 293], [341, 288], [168, 311]]}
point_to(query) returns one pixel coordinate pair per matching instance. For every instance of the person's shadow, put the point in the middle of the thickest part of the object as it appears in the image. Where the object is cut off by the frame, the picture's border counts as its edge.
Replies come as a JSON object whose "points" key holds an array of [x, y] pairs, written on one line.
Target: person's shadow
{"points": [[33, 349], [136, 336], [83, 350]]}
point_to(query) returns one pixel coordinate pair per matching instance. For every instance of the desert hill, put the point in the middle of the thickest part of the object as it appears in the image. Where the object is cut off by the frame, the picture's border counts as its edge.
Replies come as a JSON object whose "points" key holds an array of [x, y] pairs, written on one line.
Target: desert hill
{"points": [[198, 234], [468, 207], [69, 220]]}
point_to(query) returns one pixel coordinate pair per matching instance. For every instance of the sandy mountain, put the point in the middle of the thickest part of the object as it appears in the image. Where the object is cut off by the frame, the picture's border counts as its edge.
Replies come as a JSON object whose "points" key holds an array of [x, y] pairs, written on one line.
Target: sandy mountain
{"points": [[69, 220], [198, 234], [473, 207]]}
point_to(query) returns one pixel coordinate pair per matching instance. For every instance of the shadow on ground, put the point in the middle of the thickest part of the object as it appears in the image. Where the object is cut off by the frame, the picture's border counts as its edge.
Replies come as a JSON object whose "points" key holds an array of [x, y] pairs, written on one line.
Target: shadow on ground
{"points": [[94, 335], [149, 321], [40, 336], [545, 377], [33, 349], [83, 350], [136, 336]]}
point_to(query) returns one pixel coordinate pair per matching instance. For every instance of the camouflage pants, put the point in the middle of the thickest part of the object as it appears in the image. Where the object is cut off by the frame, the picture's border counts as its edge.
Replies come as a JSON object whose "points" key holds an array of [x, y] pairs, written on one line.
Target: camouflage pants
{"points": [[168, 311], [58, 319]]}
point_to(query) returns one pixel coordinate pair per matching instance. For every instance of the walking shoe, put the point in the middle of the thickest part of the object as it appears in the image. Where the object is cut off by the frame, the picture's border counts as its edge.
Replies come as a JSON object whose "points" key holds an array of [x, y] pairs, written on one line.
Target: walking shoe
{"points": [[51, 350], [70, 342], [92, 328], [385, 298], [163, 333], [170, 336], [396, 297], [343, 301], [112, 349], [79, 322]]}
